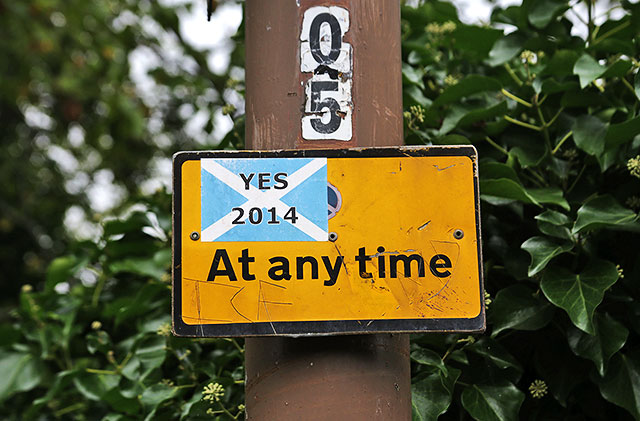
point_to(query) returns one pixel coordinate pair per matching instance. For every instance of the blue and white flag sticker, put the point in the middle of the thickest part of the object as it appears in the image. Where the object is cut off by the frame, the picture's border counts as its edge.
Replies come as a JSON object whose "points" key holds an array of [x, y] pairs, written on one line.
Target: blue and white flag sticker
{"points": [[264, 199]]}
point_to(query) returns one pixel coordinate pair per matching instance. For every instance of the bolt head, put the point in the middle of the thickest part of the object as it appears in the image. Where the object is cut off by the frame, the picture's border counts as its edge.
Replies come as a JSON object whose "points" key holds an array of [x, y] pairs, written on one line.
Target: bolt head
{"points": [[458, 234], [194, 236]]}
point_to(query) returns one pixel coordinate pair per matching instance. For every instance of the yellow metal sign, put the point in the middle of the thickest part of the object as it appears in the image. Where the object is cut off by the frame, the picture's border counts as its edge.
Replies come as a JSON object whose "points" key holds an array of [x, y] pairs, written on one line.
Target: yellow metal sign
{"points": [[321, 242]]}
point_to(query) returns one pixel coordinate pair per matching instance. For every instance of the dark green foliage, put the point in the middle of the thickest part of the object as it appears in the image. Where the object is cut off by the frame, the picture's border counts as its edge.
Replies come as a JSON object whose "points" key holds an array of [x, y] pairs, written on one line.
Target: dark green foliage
{"points": [[555, 120]]}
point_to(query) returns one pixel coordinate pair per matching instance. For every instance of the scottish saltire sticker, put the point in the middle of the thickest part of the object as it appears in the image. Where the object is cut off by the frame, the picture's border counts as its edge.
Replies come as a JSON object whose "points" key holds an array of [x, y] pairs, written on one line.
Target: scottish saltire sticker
{"points": [[264, 199]]}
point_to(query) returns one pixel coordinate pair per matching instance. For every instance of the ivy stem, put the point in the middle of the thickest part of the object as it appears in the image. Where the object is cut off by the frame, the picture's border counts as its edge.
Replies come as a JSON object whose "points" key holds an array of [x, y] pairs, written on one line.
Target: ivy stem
{"points": [[236, 344], [449, 351], [611, 32], [515, 98], [96, 371], [577, 178], [544, 98], [532, 179], [68, 409], [628, 85], [226, 411], [98, 290], [495, 145], [555, 117], [600, 88], [513, 74], [124, 361], [538, 176], [522, 123], [185, 386], [564, 139], [545, 130]]}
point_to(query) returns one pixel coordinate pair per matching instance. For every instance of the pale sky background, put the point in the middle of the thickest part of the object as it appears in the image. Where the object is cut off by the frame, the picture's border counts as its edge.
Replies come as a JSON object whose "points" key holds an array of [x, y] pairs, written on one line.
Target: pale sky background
{"points": [[213, 36]]}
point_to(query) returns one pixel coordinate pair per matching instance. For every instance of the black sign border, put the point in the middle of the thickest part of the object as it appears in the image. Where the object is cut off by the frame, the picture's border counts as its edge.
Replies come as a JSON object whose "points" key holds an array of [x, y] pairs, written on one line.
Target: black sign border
{"points": [[318, 328]]}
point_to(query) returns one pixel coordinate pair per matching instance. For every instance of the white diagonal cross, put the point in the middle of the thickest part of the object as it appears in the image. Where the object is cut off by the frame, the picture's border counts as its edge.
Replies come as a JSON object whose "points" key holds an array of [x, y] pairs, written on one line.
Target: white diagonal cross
{"points": [[262, 199]]}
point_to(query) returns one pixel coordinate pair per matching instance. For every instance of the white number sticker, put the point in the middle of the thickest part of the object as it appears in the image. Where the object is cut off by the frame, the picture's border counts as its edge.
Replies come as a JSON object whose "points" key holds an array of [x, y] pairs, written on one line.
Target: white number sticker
{"points": [[324, 53]]}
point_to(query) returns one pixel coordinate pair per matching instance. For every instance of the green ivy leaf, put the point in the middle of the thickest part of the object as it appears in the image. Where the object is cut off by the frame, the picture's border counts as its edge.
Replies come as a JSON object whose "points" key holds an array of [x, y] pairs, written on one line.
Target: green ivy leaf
{"points": [[604, 212], [549, 195], [620, 133], [476, 40], [587, 69], [554, 218], [518, 307], [465, 116], [528, 151], [98, 341], [61, 381], [429, 358], [543, 11], [618, 69], [494, 170], [505, 49], [560, 64], [496, 353], [500, 402], [95, 386], [500, 180], [120, 403], [139, 266], [195, 401], [412, 75], [507, 189], [610, 336], [554, 224], [621, 383], [589, 134], [131, 369], [135, 222], [636, 84], [470, 85], [579, 294], [559, 368], [431, 396], [20, 372], [551, 86], [542, 251], [61, 269], [416, 94], [156, 394], [152, 351]]}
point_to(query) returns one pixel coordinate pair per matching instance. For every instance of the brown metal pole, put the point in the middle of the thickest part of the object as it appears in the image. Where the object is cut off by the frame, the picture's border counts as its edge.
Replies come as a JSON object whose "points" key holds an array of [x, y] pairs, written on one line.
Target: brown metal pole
{"points": [[342, 377]]}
